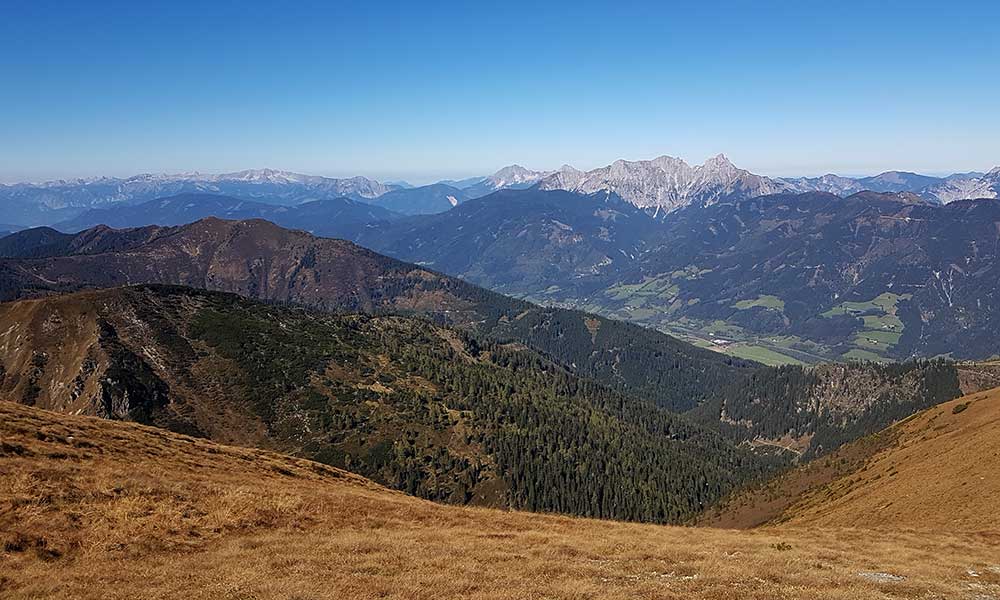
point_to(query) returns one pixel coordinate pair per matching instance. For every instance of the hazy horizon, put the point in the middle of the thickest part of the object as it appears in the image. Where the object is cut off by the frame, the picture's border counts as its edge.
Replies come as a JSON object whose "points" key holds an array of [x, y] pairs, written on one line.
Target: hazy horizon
{"points": [[419, 179]]}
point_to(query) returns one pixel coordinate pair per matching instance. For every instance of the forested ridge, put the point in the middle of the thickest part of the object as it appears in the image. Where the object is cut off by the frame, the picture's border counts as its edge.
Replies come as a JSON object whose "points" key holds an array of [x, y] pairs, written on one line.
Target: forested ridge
{"points": [[556, 442], [442, 413], [829, 405], [262, 261]]}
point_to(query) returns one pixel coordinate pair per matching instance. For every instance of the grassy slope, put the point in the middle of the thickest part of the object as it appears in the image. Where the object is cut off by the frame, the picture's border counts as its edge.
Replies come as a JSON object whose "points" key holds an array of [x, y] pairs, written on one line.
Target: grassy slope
{"points": [[99, 509], [935, 470], [941, 472]]}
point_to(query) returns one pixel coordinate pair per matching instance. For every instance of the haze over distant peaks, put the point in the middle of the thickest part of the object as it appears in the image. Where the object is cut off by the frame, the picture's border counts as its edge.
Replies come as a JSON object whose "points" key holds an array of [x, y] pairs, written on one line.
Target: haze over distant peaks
{"points": [[660, 186], [667, 183], [963, 188], [512, 176], [56, 201]]}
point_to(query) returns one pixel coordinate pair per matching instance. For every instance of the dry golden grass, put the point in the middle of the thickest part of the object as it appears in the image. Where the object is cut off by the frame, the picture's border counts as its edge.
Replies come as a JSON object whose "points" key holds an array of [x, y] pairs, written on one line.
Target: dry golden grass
{"points": [[941, 471], [96, 509], [937, 470]]}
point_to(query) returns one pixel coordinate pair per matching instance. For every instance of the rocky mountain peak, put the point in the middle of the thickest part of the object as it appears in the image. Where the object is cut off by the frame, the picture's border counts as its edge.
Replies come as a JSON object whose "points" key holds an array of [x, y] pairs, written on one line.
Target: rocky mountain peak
{"points": [[667, 183], [718, 161]]}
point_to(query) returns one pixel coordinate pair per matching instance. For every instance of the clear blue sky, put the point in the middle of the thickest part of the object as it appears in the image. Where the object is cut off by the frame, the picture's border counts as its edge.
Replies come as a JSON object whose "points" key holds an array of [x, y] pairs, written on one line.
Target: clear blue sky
{"points": [[422, 90]]}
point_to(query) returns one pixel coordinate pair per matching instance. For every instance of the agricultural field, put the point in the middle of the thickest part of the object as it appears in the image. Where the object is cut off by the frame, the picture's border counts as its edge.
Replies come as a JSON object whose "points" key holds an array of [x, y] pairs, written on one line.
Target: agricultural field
{"points": [[882, 327], [766, 301]]}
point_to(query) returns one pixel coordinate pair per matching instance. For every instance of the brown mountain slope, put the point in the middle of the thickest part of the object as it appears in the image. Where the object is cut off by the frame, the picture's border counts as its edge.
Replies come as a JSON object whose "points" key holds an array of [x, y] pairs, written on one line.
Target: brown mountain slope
{"points": [[259, 260], [92, 508], [252, 258], [935, 470]]}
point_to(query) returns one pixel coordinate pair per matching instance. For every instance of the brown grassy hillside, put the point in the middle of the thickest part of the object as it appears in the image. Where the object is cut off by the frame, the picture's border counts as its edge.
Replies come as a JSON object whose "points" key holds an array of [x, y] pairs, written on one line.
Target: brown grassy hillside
{"points": [[936, 470], [99, 509]]}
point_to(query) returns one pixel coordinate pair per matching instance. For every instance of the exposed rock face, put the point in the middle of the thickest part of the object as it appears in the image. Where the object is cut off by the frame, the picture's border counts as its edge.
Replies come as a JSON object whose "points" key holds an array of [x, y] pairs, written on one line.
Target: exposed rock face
{"points": [[954, 189], [665, 184]]}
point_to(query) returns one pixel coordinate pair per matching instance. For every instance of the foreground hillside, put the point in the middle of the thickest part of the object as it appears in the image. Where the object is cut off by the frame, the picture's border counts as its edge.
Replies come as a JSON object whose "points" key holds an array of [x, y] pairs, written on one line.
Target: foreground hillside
{"points": [[935, 470], [423, 408], [125, 511]]}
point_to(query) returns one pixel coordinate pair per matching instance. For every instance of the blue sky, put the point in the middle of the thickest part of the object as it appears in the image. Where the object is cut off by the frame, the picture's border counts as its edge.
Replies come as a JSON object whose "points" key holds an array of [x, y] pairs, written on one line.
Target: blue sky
{"points": [[428, 90]]}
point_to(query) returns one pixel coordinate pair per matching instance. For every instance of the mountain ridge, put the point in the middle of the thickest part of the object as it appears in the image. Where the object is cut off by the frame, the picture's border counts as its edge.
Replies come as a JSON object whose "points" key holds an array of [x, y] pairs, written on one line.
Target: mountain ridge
{"points": [[189, 207], [50, 202], [666, 183], [662, 185], [263, 261], [805, 276], [415, 406]]}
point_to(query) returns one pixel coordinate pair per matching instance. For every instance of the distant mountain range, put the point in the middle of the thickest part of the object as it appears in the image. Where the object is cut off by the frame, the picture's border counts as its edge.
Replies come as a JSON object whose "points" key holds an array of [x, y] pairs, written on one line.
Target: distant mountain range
{"points": [[423, 200], [791, 276], [56, 201], [809, 276], [890, 181], [965, 187], [316, 215], [661, 186], [959, 186], [665, 184], [523, 242]]}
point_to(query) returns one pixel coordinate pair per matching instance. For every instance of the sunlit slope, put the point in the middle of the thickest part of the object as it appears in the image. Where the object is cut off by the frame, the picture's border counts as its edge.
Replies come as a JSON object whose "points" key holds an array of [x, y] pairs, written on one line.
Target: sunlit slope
{"points": [[939, 469], [941, 472], [92, 508]]}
